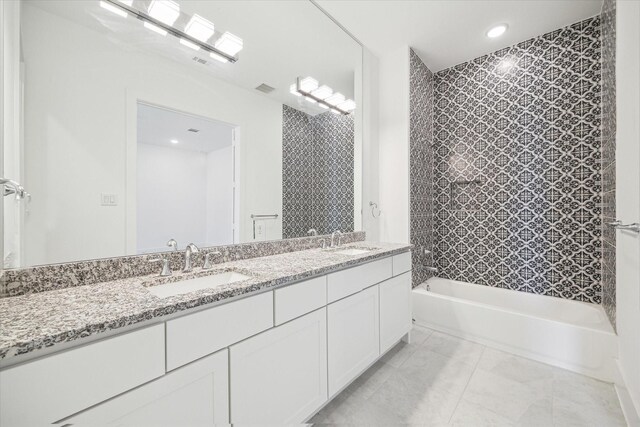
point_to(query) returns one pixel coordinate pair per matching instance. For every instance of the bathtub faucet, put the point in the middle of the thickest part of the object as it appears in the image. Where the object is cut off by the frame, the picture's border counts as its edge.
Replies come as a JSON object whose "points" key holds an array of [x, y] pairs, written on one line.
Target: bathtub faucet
{"points": [[432, 269]]}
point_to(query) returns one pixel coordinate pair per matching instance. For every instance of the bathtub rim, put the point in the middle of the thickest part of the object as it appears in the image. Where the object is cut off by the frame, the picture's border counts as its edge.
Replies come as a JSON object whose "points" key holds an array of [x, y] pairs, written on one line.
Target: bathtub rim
{"points": [[607, 324]]}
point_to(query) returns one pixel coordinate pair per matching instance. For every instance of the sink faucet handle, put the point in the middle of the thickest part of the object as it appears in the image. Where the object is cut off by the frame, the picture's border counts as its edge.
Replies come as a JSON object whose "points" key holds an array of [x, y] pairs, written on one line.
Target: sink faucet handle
{"points": [[207, 259], [333, 235], [173, 244], [324, 243], [166, 269]]}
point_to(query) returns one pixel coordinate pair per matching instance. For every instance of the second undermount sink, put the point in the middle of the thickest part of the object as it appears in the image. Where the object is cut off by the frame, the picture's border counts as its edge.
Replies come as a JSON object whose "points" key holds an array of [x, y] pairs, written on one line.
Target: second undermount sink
{"points": [[190, 285], [352, 251]]}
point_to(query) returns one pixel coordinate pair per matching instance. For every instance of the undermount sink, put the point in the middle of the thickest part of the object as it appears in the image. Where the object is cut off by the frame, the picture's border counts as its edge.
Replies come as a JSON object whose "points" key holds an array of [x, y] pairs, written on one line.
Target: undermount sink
{"points": [[352, 251], [185, 286]]}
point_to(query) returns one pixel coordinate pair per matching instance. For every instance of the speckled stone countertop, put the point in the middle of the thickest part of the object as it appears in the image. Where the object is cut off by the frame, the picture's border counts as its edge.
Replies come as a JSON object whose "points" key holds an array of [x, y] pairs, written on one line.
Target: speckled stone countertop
{"points": [[42, 320]]}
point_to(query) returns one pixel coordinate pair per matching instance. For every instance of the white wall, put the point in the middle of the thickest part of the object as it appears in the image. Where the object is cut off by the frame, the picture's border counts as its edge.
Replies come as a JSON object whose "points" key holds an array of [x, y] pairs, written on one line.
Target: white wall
{"points": [[81, 95], [219, 196], [393, 134], [628, 197], [171, 186]]}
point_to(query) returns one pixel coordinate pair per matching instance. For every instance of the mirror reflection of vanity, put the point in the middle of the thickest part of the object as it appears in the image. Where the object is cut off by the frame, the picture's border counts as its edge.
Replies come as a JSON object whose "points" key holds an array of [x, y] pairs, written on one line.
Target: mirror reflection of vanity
{"points": [[132, 136]]}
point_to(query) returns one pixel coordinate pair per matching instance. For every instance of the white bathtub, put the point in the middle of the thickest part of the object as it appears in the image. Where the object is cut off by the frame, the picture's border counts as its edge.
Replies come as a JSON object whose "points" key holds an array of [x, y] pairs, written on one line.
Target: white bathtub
{"points": [[569, 334]]}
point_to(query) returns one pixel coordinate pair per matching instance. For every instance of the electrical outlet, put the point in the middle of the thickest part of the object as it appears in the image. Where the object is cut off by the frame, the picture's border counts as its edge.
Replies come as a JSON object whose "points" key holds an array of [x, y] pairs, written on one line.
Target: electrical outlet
{"points": [[259, 229], [108, 199]]}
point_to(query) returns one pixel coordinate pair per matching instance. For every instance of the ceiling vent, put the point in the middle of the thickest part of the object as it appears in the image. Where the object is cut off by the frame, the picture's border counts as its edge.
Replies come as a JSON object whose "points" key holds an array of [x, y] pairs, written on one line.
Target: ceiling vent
{"points": [[265, 88], [200, 60], [193, 130]]}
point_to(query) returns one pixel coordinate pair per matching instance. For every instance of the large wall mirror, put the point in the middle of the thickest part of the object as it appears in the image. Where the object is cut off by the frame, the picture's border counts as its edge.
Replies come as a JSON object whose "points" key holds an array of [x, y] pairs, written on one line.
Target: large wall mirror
{"points": [[147, 122]]}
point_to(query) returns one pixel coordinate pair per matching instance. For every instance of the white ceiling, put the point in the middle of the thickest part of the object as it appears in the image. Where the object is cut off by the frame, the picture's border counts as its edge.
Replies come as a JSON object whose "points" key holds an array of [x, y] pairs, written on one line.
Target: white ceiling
{"points": [[158, 126], [282, 40], [446, 33]]}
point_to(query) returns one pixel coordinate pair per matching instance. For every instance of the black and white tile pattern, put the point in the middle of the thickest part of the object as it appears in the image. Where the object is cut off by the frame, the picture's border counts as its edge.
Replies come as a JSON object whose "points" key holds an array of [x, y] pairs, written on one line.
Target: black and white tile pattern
{"points": [[317, 173], [517, 178], [608, 24], [420, 166]]}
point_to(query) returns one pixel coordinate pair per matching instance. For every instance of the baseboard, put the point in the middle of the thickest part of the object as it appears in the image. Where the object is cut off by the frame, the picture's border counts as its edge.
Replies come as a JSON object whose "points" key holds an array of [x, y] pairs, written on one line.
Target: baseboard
{"points": [[610, 378], [626, 402]]}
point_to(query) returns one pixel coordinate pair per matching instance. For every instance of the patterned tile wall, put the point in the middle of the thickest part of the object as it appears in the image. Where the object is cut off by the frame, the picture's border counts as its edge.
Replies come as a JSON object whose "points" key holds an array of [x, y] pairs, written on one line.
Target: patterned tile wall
{"points": [[517, 166], [317, 173], [420, 166], [608, 24]]}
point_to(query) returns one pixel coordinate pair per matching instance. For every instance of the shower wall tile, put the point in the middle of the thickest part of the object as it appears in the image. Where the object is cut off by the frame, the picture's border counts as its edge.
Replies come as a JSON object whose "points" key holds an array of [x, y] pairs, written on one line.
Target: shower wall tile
{"points": [[317, 173], [608, 24], [420, 166], [517, 166]]}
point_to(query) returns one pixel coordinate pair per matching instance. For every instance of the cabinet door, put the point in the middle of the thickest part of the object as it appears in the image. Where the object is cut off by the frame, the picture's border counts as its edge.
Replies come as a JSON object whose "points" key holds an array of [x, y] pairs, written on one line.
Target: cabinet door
{"points": [[194, 395], [354, 337], [53, 387], [395, 310], [280, 376]]}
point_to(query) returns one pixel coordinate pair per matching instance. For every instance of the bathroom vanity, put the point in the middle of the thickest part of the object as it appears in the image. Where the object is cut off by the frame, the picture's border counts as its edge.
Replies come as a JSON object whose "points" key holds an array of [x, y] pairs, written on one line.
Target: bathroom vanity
{"points": [[275, 351]]}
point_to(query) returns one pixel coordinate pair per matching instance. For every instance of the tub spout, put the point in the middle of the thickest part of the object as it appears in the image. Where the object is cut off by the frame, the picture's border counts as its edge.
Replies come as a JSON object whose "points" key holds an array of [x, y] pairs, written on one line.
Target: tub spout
{"points": [[432, 269]]}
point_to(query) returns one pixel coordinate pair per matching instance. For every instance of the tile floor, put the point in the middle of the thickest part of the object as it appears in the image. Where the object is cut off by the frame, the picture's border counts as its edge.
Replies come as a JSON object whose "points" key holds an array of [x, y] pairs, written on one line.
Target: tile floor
{"points": [[441, 380]]}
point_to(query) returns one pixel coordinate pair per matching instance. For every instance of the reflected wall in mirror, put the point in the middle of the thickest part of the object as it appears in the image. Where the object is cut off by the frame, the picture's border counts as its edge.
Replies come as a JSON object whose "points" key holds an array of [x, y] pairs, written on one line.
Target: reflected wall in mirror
{"points": [[104, 96]]}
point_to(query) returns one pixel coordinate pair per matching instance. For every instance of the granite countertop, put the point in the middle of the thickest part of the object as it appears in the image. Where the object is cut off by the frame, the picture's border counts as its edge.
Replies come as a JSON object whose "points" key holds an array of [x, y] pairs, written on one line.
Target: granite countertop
{"points": [[42, 320]]}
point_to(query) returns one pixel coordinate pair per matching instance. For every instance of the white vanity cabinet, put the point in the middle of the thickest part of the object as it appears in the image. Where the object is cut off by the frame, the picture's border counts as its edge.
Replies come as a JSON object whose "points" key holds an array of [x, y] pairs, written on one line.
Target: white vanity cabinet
{"points": [[279, 377], [354, 337], [195, 395], [395, 310], [46, 390], [274, 357]]}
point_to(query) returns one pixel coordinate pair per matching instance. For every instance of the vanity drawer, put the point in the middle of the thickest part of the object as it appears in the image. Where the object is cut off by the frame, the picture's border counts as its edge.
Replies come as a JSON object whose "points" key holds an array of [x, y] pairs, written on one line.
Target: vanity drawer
{"points": [[304, 297], [401, 263], [346, 282], [54, 387], [196, 335]]}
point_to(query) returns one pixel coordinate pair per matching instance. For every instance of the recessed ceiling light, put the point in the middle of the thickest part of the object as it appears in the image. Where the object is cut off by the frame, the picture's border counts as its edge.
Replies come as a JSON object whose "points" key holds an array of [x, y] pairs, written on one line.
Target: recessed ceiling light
{"points": [[497, 31], [165, 11], [174, 141]]}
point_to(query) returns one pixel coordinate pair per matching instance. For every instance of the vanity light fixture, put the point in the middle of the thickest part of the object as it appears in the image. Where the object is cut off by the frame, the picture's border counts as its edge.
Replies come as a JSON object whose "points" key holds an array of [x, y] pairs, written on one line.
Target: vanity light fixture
{"points": [[322, 95], [160, 17], [497, 31], [187, 43], [165, 11], [113, 9], [293, 89], [323, 92], [199, 28], [155, 29], [229, 44]]}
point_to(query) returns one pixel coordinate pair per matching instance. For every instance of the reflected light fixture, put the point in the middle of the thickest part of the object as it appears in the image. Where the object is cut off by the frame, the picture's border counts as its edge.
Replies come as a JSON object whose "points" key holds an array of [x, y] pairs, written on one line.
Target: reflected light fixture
{"points": [[113, 9], [322, 95], [174, 141], [199, 28], [187, 43], [293, 89], [155, 28], [229, 44], [160, 17], [497, 31], [165, 11]]}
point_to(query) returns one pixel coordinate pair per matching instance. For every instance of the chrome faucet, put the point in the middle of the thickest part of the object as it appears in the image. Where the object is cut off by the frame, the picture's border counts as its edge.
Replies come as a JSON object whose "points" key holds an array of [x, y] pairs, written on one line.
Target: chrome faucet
{"points": [[432, 269], [191, 249], [173, 244], [312, 232], [166, 269], [333, 235]]}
